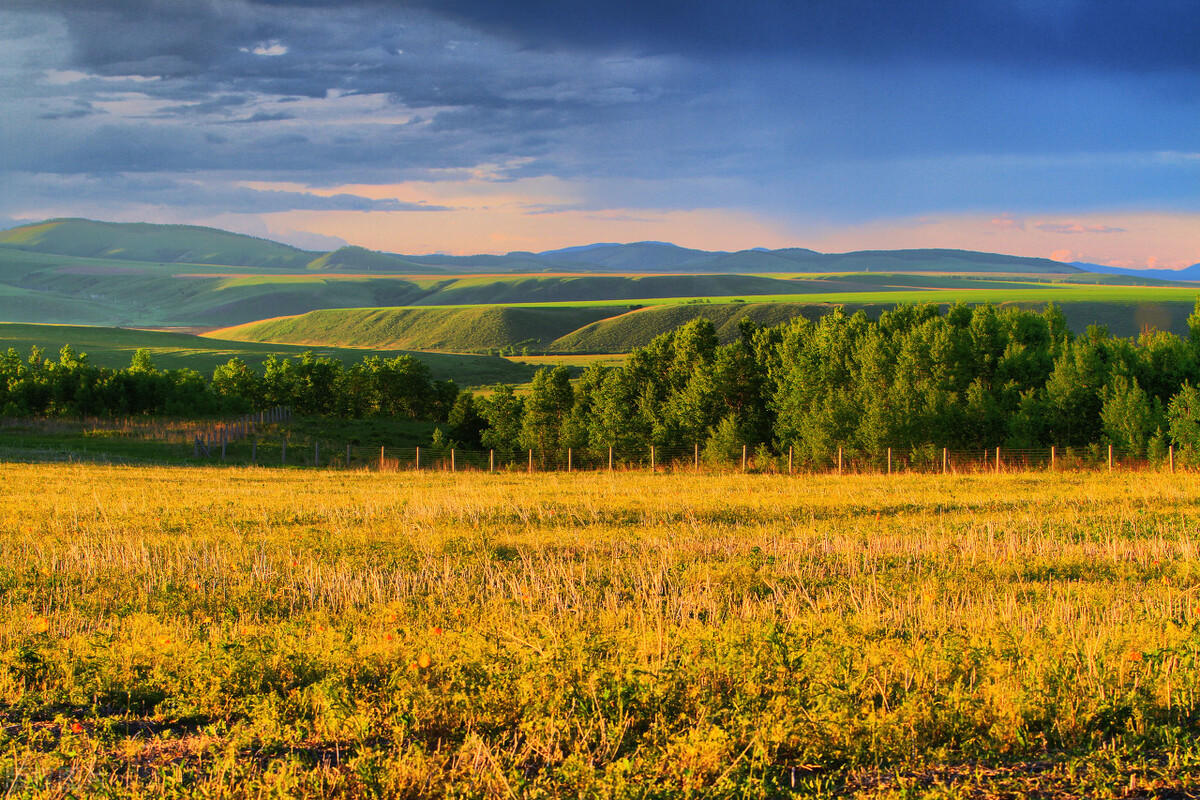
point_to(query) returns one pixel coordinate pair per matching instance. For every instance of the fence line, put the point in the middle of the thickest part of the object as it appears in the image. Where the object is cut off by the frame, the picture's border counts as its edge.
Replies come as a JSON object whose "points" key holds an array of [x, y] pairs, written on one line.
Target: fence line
{"points": [[223, 434], [323, 453]]}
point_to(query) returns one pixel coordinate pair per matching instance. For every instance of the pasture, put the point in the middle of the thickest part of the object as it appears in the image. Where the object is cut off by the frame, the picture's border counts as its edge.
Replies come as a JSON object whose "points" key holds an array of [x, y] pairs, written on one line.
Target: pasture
{"points": [[259, 632]]}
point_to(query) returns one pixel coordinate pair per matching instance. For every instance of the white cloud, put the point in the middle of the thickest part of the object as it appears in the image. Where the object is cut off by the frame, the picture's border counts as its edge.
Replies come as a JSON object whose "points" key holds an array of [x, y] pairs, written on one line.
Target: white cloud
{"points": [[271, 48]]}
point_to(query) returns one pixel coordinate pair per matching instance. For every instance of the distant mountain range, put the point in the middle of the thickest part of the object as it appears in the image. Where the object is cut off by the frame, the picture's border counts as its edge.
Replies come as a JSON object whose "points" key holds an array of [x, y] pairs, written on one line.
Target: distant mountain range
{"points": [[190, 244], [1189, 274]]}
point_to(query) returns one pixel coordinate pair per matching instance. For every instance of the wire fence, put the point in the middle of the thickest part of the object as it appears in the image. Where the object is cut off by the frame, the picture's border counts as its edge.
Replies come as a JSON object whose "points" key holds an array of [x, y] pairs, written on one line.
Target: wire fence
{"points": [[263, 439], [323, 453]]}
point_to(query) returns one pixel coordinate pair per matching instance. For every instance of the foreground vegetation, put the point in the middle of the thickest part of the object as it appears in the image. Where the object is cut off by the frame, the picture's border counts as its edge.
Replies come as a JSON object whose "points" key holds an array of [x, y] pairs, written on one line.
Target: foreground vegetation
{"points": [[172, 632]]}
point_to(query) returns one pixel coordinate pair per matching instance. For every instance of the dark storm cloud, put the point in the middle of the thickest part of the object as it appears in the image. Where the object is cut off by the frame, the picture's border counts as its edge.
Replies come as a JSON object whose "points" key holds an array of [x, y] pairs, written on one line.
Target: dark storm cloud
{"points": [[180, 37], [208, 197], [1110, 34], [843, 107]]}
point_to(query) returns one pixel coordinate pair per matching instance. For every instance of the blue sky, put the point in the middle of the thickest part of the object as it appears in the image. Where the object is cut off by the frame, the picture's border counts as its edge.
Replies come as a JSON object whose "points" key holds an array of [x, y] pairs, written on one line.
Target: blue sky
{"points": [[1063, 128]]}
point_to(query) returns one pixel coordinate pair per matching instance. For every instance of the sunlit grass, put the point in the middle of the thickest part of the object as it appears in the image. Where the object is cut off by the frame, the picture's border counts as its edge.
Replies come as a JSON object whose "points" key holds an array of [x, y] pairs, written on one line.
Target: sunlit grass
{"points": [[248, 631]]}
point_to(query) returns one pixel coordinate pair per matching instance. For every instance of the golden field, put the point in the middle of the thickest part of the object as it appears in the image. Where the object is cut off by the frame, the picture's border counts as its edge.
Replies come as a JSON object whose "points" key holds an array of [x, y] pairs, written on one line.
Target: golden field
{"points": [[260, 632]]}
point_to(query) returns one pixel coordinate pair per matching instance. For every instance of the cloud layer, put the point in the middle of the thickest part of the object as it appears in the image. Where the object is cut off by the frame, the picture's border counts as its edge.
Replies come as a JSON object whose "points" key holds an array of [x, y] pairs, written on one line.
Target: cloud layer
{"points": [[814, 114]]}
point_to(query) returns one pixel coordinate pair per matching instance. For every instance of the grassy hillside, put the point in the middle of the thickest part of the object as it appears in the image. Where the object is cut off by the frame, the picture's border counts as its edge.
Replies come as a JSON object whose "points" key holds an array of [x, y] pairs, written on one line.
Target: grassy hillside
{"points": [[584, 288], [360, 259], [156, 243], [114, 347], [622, 333], [463, 329], [102, 281]]}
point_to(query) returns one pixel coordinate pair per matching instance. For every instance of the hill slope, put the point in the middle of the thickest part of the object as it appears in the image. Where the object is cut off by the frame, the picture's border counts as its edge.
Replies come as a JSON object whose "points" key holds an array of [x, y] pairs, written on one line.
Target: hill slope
{"points": [[360, 259], [456, 329], [139, 241]]}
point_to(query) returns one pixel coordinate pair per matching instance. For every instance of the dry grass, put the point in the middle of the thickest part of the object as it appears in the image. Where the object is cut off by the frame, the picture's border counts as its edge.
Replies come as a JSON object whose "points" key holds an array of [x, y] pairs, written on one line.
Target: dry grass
{"points": [[253, 631]]}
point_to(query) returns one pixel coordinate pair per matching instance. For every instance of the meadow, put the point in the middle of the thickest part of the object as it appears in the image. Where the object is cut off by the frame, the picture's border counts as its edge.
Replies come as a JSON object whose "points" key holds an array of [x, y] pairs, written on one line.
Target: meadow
{"points": [[258, 632]]}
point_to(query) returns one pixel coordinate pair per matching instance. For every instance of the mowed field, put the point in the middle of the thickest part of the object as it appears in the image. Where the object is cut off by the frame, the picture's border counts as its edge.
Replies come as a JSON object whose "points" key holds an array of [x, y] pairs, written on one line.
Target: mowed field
{"points": [[255, 632]]}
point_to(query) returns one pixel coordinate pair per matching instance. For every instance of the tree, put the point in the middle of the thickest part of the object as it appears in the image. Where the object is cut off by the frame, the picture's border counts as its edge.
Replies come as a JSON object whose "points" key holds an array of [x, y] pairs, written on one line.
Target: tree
{"points": [[549, 403], [502, 410], [1183, 417], [235, 379], [465, 424], [1129, 417]]}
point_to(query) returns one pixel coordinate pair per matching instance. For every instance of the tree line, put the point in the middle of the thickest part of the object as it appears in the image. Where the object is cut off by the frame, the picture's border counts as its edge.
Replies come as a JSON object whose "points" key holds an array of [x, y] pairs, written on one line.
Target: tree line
{"points": [[917, 379], [311, 385]]}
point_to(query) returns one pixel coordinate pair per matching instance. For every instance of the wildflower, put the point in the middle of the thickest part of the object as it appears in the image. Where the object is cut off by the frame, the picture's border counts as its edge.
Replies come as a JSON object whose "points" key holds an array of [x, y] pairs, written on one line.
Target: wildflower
{"points": [[39, 624], [76, 727], [1134, 655], [436, 630], [423, 661]]}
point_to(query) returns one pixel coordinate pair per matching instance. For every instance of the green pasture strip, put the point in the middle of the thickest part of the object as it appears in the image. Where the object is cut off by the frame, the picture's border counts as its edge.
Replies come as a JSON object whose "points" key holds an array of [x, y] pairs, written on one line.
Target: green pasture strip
{"points": [[572, 360], [114, 348], [1017, 292]]}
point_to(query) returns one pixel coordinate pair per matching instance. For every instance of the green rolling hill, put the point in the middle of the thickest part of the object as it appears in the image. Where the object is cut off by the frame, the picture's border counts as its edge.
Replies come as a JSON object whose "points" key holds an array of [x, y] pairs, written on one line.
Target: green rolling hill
{"points": [[462, 329], [360, 259], [141, 275], [170, 244]]}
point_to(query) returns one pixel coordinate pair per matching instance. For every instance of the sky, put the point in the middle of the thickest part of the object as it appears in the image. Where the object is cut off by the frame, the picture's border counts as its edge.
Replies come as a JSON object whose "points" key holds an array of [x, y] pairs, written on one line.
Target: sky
{"points": [[1058, 128]]}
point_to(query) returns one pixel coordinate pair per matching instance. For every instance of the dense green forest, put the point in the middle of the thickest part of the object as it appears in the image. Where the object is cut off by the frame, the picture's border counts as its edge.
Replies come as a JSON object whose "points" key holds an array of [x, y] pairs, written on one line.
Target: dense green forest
{"points": [[310, 385], [915, 379]]}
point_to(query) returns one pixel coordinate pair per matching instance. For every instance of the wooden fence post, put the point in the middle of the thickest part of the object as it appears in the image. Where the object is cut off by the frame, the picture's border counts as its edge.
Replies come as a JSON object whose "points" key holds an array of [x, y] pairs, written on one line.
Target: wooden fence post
{"points": [[418, 460], [569, 459], [743, 458], [491, 460], [945, 460], [531, 461], [1053, 457], [381, 458], [610, 460], [839, 460], [790, 459], [453, 467], [1110, 458], [696, 458], [889, 461], [653, 467], [1171, 456], [997, 459]]}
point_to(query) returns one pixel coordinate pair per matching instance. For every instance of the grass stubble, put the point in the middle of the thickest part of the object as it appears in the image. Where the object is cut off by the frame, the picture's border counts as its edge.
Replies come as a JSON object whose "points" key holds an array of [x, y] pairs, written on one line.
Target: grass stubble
{"points": [[255, 633]]}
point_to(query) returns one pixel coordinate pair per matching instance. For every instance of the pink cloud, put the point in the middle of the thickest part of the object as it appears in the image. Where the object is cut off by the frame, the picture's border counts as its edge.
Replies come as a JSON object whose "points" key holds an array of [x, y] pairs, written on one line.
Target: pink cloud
{"points": [[1076, 227], [1007, 223]]}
